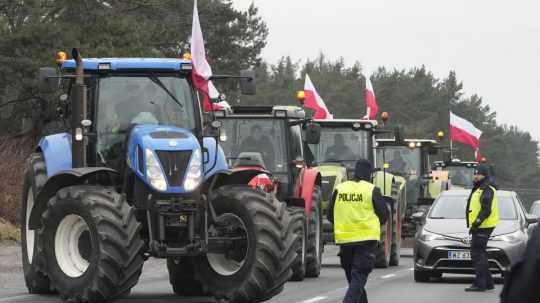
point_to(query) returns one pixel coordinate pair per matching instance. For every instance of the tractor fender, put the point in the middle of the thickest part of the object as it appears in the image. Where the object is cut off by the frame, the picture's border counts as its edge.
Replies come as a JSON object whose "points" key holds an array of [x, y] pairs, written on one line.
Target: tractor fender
{"points": [[214, 158], [307, 180], [56, 150], [229, 177], [60, 180]]}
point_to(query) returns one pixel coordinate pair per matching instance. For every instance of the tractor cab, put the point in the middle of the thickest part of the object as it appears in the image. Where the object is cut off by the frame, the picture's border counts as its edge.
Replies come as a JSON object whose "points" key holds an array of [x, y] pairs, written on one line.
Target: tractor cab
{"points": [[272, 139], [342, 143], [460, 173]]}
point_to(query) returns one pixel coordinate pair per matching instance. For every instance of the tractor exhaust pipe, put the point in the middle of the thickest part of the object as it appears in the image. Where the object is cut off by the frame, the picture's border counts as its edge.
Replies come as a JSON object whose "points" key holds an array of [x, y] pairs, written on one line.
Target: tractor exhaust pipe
{"points": [[78, 113]]}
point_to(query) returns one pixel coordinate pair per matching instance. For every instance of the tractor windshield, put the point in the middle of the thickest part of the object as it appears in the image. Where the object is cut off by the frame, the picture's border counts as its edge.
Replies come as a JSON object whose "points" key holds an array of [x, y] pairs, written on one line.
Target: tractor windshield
{"points": [[343, 145], [402, 161], [256, 142], [123, 101], [461, 175]]}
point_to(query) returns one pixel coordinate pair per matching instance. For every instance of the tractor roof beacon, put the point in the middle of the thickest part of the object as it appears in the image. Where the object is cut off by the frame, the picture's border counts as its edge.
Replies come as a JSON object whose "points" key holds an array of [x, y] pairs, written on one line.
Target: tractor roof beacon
{"points": [[274, 140], [137, 173]]}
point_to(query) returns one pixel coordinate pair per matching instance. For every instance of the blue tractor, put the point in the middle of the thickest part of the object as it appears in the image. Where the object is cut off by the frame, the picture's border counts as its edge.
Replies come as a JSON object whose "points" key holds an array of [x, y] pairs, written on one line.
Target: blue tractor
{"points": [[138, 173]]}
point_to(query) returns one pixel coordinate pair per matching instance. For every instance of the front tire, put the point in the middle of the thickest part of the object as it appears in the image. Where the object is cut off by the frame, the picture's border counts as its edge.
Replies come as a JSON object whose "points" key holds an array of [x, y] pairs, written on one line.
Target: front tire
{"points": [[385, 247], [33, 262], [182, 277], [395, 253], [93, 244], [265, 247], [315, 236], [299, 226], [421, 276]]}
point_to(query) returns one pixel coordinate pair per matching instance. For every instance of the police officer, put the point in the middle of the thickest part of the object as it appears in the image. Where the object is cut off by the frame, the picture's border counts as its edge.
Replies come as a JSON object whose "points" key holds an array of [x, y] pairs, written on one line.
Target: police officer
{"points": [[482, 217], [357, 210]]}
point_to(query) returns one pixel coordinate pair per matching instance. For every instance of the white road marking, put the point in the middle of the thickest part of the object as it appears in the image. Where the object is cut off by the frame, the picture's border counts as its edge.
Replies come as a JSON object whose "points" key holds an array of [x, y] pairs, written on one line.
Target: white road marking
{"points": [[9, 299], [315, 299], [388, 276]]}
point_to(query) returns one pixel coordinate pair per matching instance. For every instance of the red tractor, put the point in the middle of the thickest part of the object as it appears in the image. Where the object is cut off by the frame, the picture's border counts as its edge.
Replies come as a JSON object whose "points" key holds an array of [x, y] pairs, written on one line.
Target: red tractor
{"points": [[275, 141]]}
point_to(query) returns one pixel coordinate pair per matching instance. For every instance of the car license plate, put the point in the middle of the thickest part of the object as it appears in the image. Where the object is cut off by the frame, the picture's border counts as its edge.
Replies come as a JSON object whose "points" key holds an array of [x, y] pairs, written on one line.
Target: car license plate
{"points": [[459, 255]]}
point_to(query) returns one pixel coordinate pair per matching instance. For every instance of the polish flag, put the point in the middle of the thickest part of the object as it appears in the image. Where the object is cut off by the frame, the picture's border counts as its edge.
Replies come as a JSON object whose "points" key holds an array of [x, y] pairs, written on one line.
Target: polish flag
{"points": [[464, 131], [314, 101], [371, 103], [202, 71]]}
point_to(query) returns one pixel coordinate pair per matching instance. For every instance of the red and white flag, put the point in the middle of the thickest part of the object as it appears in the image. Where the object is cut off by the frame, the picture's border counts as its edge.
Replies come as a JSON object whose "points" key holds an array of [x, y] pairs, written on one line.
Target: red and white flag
{"points": [[371, 103], [202, 72], [314, 101], [479, 157], [464, 132]]}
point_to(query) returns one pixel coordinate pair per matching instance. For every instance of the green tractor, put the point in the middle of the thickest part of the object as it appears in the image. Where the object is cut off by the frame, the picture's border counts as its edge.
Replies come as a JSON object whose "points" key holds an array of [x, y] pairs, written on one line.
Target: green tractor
{"points": [[410, 159], [460, 173], [138, 173], [342, 143]]}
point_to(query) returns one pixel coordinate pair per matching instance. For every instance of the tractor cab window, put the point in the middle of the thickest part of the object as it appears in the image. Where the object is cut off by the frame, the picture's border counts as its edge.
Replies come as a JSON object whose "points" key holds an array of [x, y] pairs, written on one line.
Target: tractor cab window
{"points": [[124, 101], [342, 145], [256, 142], [402, 161], [461, 175]]}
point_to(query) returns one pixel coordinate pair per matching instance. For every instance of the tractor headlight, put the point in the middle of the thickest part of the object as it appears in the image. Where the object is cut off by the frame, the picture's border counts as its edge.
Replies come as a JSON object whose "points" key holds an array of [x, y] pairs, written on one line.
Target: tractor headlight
{"points": [[194, 171], [154, 173]]}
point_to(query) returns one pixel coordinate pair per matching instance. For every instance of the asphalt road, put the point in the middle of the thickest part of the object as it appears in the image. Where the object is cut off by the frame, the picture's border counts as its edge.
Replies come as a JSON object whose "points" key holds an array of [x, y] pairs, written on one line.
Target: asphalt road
{"points": [[385, 285]]}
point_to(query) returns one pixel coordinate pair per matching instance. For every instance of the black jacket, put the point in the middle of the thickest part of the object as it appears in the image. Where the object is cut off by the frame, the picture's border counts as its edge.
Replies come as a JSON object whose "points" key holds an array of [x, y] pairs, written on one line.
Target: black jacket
{"points": [[485, 201], [521, 285]]}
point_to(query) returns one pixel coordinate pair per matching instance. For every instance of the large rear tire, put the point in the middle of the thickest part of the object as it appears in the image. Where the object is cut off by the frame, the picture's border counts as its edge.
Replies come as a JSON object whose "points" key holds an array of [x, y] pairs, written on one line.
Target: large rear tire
{"points": [[93, 244], [299, 226], [315, 241], [265, 247], [33, 262], [385, 247], [395, 253], [182, 277]]}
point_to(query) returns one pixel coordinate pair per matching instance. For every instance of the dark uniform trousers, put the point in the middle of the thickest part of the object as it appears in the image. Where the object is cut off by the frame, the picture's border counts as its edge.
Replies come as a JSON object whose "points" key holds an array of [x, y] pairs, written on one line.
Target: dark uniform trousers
{"points": [[358, 261], [479, 258]]}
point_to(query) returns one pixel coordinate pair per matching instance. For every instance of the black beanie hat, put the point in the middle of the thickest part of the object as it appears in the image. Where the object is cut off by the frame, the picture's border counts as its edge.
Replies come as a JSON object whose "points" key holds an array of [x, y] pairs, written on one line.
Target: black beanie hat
{"points": [[483, 170], [363, 170]]}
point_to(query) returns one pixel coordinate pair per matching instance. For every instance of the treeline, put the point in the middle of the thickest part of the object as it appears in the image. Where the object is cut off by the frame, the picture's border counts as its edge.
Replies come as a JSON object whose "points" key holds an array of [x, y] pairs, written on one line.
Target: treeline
{"points": [[416, 100], [32, 31]]}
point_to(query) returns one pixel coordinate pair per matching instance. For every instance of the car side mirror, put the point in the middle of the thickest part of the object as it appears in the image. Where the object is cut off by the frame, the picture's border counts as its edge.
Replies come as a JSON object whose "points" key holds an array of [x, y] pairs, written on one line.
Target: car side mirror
{"points": [[247, 82], [313, 133], [531, 219], [48, 80], [418, 217]]}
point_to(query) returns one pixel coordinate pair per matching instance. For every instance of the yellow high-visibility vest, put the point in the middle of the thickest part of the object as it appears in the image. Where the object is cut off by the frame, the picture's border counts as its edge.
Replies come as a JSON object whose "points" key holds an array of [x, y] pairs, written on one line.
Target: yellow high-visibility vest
{"points": [[354, 216], [475, 206]]}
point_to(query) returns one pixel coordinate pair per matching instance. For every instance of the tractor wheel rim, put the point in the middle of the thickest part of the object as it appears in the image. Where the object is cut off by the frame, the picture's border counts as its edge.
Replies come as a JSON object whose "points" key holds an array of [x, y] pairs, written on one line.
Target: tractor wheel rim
{"points": [[29, 233], [219, 262], [71, 231]]}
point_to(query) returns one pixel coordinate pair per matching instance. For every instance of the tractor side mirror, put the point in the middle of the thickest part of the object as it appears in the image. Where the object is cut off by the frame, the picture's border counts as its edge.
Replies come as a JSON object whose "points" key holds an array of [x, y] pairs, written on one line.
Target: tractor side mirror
{"points": [[48, 80], [313, 133], [247, 82]]}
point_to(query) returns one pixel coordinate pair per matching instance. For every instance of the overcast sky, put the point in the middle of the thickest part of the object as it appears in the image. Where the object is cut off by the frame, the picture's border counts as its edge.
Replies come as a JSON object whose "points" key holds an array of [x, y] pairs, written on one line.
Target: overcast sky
{"points": [[494, 46]]}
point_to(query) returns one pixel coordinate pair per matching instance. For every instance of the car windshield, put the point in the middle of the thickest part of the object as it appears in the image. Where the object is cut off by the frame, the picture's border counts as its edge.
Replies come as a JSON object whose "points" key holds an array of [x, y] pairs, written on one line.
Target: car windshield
{"points": [[341, 144], [402, 160], [453, 207], [461, 175], [124, 101], [255, 142]]}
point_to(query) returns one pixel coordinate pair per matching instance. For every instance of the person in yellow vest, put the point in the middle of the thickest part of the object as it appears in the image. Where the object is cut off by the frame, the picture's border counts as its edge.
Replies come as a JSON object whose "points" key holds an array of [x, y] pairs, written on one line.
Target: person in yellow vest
{"points": [[357, 210], [482, 217]]}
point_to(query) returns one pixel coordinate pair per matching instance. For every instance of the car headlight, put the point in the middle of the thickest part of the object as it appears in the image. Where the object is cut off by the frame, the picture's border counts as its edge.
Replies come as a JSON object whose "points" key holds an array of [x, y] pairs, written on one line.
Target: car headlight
{"points": [[194, 171], [427, 236], [514, 237], [154, 173]]}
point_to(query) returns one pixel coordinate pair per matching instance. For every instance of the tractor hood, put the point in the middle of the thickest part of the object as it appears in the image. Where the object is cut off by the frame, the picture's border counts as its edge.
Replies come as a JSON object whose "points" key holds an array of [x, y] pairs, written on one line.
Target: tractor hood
{"points": [[172, 147]]}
